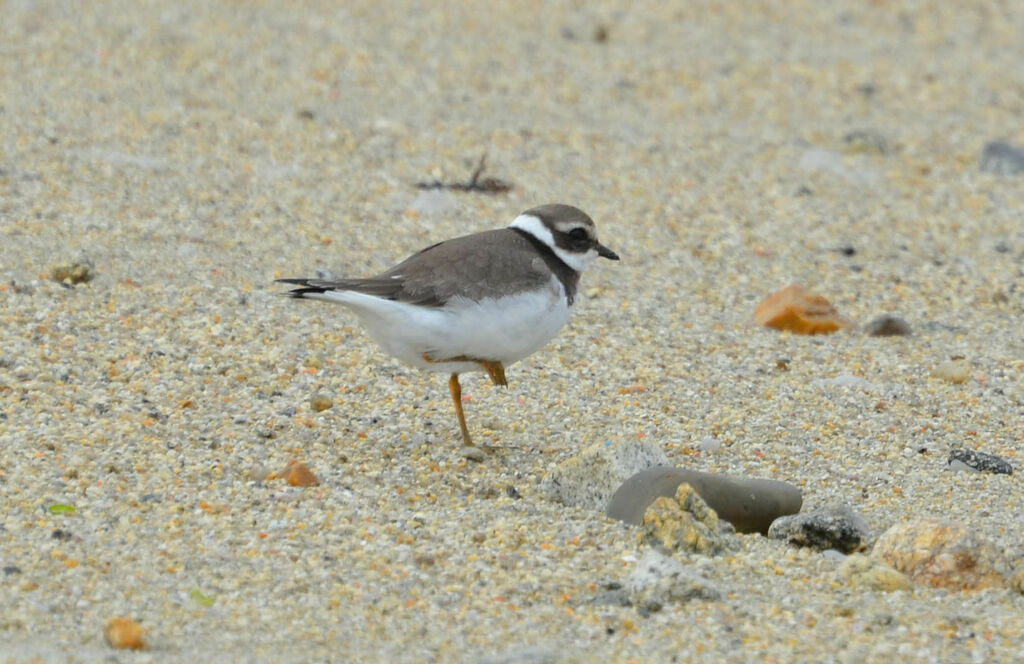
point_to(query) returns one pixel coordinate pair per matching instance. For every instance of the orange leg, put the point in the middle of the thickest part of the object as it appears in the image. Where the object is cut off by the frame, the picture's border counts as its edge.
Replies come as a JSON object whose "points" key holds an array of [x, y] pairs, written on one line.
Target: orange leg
{"points": [[456, 390]]}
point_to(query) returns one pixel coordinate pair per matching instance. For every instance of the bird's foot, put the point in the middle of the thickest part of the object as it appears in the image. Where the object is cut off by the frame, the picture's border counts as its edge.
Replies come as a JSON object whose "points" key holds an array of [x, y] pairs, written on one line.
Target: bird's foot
{"points": [[496, 370]]}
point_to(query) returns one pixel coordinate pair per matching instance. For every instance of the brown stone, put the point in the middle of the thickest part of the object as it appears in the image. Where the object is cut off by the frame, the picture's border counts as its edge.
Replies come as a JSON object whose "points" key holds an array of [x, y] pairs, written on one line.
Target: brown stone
{"points": [[943, 554], [797, 310]]}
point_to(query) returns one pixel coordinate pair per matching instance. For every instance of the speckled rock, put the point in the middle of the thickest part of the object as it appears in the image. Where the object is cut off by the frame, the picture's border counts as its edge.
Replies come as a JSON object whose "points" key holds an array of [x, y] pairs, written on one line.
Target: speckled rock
{"points": [[686, 523], [837, 527], [591, 477], [943, 554], [659, 581], [964, 459]]}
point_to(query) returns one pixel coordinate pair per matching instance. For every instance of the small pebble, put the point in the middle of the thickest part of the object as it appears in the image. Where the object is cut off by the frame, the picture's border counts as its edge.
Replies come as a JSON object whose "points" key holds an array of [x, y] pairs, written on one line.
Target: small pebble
{"points": [[75, 272], [472, 452], [124, 633], [321, 402], [838, 528], [1002, 158], [844, 380], [979, 461], [887, 325], [297, 473], [953, 371], [709, 444], [794, 309], [866, 141]]}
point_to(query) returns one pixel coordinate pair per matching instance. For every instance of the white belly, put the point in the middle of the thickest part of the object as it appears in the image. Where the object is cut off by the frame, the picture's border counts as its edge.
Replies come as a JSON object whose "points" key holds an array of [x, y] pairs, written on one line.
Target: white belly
{"points": [[505, 330]]}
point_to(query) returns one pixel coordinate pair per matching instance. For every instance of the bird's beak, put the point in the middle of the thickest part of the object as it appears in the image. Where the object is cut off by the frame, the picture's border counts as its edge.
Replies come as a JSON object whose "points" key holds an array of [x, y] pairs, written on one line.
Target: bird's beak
{"points": [[605, 252]]}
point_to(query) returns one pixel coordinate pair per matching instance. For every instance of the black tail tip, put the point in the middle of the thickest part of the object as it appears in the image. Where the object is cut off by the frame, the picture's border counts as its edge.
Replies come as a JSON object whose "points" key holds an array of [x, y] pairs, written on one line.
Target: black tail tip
{"points": [[304, 288]]}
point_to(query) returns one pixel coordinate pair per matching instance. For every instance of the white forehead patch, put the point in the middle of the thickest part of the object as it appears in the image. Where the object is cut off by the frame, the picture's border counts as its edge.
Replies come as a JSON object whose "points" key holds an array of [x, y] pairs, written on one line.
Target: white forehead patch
{"points": [[536, 228]]}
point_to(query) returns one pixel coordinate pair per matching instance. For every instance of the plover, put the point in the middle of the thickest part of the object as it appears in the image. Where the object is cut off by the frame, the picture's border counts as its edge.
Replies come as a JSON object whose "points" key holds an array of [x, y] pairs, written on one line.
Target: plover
{"points": [[474, 303]]}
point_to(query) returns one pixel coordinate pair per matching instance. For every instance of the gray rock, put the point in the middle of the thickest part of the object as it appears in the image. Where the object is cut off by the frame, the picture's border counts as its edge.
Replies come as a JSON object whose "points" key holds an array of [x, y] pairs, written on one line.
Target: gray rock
{"points": [[589, 478], [658, 581], [887, 325], [750, 505], [979, 461], [836, 527], [472, 452], [1002, 159]]}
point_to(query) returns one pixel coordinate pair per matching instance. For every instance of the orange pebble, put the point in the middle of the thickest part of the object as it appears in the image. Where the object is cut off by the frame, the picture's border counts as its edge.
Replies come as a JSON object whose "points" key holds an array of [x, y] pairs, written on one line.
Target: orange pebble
{"points": [[800, 311], [124, 633], [299, 474]]}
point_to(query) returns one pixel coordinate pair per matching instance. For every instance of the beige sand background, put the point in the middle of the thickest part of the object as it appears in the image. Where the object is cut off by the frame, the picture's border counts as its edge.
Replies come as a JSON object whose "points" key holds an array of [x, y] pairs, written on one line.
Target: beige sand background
{"points": [[195, 151]]}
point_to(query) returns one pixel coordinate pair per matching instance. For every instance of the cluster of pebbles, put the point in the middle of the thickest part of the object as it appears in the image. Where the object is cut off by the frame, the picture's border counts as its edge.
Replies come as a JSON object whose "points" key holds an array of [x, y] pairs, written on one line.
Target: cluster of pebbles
{"points": [[193, 468]]}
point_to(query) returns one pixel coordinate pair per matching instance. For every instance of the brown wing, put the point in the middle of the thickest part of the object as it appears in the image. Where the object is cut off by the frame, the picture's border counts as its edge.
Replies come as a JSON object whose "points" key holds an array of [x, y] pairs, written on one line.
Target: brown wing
{"points": [[475, 267]]}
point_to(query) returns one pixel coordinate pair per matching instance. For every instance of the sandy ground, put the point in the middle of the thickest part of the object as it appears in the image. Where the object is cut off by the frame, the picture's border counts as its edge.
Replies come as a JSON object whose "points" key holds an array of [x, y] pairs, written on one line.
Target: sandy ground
{"points": [[193, 152]]}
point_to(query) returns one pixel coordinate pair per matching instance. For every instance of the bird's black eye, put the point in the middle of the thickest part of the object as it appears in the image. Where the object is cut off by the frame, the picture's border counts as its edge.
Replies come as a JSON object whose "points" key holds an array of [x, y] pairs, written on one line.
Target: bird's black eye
{"points": [[578, 235]]}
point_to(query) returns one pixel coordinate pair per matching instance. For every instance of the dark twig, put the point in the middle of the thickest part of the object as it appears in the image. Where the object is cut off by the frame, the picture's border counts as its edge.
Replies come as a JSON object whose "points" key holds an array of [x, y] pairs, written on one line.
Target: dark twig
{"points": [[475, 183]]}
